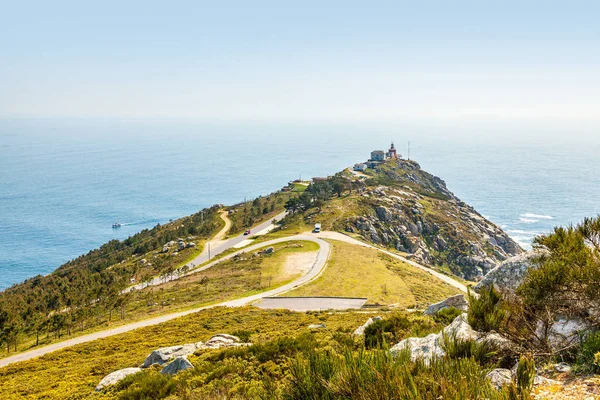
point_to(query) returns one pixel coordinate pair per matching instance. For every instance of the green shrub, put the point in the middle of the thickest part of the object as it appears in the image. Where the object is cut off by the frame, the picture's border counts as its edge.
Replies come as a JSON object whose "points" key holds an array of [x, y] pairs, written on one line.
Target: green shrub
{"points": [[588, 357], [386, 331], [396, 327], [484, 352], [485, 312], [446, 315], [273, 350], [243, 335], [524, 380], [309, 377], [147, 385], [375, 374]]}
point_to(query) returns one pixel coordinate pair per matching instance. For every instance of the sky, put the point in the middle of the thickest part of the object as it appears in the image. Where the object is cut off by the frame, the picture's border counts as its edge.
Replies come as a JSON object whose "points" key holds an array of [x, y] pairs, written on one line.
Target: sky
{"points": [[303, 60]]}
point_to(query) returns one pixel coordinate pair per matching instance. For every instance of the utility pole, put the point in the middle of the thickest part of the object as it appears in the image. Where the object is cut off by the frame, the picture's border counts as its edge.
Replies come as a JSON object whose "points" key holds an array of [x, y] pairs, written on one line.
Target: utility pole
{"points": [[208, 251]]}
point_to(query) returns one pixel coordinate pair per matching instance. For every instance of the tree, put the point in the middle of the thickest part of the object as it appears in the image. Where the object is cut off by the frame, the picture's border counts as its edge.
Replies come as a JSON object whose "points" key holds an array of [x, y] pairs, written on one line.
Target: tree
{"points": [[293, 205], [339, 185]]}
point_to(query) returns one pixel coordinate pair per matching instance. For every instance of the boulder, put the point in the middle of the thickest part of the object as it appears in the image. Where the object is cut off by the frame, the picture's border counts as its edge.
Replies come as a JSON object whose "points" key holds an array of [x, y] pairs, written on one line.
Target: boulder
{"points": [[383, 213], [163, 355], [430, 346], [441, 243], [223, 340], [562, 367], [179, 364], [181, 245], [316, 326], [500, 377], [115, 377], [507, 276], [191, 244], [565, 332], [269, 250], [459, 301], [361, 329]]}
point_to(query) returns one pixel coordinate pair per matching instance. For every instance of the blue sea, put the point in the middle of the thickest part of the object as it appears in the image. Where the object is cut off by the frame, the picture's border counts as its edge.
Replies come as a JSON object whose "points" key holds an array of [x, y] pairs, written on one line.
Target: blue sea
{"points": [[64, 182]]}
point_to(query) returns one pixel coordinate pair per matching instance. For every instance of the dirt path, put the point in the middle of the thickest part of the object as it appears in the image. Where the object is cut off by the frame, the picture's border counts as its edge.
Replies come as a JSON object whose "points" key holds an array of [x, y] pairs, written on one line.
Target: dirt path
{"points": [[220, 236]]}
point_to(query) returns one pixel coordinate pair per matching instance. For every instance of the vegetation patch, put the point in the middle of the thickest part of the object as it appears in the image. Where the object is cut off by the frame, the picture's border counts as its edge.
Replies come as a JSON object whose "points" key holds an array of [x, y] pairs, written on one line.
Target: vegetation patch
{"points": [[356, 271]]}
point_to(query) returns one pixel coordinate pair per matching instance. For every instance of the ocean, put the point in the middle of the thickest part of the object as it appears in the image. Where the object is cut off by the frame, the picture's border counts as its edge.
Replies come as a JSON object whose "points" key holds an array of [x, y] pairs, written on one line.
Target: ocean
{"points": [[64, 182]]}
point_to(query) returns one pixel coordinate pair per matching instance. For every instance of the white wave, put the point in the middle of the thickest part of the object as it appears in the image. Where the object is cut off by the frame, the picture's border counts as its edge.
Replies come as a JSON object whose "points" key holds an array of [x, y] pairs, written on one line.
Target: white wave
{"points": [[528, 220], [522, 232], [536, 216]]}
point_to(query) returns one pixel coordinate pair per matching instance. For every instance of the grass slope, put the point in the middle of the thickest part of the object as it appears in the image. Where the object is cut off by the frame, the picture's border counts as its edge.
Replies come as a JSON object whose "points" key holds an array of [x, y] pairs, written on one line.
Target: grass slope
{"points": [[73, 373], [356, 271], [227, 280]]}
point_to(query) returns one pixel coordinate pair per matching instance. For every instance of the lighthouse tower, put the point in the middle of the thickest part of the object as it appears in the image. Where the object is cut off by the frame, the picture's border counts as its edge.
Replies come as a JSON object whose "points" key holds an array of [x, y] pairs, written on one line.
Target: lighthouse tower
{"points": [[391, 153]]}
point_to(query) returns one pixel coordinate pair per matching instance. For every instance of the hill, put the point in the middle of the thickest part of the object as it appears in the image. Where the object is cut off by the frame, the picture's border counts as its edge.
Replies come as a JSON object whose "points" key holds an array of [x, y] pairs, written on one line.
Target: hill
{"points": [[400, 206]]}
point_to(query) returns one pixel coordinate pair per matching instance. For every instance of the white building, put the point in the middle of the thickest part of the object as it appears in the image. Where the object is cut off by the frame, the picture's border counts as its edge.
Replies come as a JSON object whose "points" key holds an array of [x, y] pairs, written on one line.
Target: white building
{"points": [[360, 167]]}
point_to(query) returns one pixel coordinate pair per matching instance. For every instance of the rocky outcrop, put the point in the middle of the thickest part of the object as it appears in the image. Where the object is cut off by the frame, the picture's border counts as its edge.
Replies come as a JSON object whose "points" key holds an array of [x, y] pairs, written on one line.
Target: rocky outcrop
{"points": [[361, 329], [459, 301], [177, 365], [507, 276], [431, 346], [115, 377], [415, 213], [163, 355], [178, 354]]}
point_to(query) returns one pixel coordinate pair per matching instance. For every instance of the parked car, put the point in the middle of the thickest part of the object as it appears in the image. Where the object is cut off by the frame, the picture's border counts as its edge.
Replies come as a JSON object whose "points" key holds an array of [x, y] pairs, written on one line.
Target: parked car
{"points": [[247, 232]]}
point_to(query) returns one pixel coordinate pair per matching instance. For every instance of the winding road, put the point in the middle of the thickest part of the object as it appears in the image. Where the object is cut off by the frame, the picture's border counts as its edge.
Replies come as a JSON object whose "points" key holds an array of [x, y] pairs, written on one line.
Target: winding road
{"points": [[219, 247], [314, 271], [211, 249]]}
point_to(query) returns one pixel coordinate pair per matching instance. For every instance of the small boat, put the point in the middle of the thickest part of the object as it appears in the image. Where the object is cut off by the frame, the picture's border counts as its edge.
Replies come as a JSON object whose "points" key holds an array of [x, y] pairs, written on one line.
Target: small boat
{"points": [[117, 225]]}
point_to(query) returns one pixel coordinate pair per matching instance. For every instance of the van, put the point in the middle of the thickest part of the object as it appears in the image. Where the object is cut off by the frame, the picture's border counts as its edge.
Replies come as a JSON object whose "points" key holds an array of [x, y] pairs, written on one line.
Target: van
{"points": [[317, 228]]}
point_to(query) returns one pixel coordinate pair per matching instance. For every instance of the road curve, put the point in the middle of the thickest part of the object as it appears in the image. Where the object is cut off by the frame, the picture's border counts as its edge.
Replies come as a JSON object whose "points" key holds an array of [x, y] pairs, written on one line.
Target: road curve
{"points": [[315, 270], [347, 239], [216, 246]]}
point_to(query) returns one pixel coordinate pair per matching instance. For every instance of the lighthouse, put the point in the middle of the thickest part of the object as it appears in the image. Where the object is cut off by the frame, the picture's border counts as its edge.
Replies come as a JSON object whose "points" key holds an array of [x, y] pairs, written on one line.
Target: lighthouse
{"points": [[391, 153]]}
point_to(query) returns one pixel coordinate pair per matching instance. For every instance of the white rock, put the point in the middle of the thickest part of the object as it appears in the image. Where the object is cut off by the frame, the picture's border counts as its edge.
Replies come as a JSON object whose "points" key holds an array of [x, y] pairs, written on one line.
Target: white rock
{"points": [[316, 326], [459, 301], [500, 377], [223, 340], [361, 329], [115, 377], [179, 364], [430, 346], [565, 331], [507, 276], [562, 367], [163, 355]]}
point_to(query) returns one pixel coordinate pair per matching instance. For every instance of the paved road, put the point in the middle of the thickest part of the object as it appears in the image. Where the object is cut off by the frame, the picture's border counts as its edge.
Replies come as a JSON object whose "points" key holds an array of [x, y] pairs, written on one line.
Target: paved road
{"points": [[314, 271], [347, 239], [216, 247]]}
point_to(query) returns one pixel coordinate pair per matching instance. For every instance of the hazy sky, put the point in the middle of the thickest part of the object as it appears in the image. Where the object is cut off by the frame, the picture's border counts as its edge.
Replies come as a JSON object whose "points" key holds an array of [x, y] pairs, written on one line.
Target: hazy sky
{"points": [[309, 60]]}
